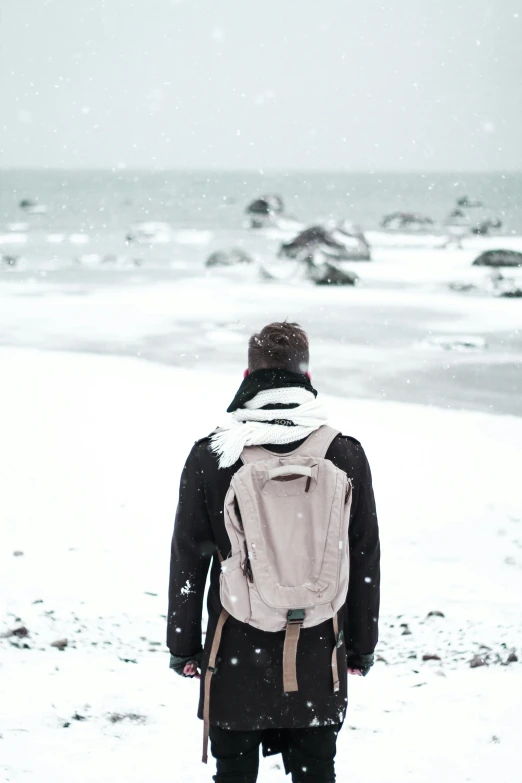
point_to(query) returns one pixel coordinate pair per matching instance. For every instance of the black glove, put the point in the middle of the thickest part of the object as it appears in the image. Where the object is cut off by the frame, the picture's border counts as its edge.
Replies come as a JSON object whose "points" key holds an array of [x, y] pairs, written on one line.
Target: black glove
{"points": [[361, 661], [178, 662]]}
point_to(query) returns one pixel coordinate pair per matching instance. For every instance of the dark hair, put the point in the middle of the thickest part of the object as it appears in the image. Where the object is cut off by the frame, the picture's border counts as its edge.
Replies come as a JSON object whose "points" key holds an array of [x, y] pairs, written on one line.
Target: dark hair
{"points": [[281, 346]]}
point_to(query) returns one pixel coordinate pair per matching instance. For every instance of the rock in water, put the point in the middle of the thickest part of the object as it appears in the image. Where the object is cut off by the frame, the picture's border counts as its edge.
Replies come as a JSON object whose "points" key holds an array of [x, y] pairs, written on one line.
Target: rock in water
{"points": [[264, 209], [484, 227], [406, 221], [431, 657], [336, 244], [328, 274], [435, 613], [466, 201], [229, 257], [32, 207], [512, 258], [151, 233]]}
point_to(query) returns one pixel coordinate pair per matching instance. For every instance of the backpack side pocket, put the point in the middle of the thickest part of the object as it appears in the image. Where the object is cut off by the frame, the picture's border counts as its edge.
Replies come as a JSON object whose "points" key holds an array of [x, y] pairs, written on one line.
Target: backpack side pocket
{"points": [[233, 590]]}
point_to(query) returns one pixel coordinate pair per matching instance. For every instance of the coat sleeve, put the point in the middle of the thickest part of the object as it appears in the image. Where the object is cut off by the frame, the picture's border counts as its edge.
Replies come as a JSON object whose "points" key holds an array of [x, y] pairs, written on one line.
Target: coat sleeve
{"points": [[362, 605], [192, 549]]}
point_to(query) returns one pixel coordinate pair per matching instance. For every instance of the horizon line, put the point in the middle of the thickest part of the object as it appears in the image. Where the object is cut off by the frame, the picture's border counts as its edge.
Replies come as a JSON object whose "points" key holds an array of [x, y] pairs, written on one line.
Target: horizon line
{"points": [[262, 172]]}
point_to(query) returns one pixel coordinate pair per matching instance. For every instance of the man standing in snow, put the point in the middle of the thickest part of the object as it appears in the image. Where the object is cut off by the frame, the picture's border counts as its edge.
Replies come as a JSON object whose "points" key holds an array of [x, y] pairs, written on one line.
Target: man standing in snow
{"points": [[275, 408]]}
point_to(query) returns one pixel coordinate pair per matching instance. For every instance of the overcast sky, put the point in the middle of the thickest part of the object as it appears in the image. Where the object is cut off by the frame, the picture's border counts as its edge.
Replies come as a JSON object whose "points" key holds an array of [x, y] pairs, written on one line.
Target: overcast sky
{"points": [[278, 84]]}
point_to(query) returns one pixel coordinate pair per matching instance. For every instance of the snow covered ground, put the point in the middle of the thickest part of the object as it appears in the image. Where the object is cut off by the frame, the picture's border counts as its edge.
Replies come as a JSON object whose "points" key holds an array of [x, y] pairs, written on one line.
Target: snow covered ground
{"points": [[90, 454], [390, 337]]}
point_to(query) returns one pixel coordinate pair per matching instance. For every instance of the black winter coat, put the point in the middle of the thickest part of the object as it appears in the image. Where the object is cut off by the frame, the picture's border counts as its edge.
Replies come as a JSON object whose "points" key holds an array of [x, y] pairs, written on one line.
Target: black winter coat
{"points": [[247, 688]]}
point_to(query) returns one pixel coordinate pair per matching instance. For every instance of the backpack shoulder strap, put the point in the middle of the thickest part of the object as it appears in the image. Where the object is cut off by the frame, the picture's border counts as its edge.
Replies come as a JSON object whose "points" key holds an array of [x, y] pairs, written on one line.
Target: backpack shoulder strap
{"points": [[318, 443], [253, 454]]}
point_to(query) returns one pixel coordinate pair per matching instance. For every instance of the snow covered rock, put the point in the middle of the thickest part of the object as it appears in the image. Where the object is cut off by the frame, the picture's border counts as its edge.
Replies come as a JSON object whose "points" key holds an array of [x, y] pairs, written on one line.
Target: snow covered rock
{"points": [[406, 221], [329, 274], [32, 207], [511, 258], [336, 244], [231, 257], [262, 211], [466, 201], [60, 644], [151, 233], [486, 226]]}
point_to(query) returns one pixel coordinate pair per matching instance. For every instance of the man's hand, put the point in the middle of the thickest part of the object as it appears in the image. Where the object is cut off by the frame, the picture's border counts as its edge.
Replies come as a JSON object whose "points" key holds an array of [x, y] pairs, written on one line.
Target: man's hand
{"points": [[359, 663], [191, 670], [186, 665]]}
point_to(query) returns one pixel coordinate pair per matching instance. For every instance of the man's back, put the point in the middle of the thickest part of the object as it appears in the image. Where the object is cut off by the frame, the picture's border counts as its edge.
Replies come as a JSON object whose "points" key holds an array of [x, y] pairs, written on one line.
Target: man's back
{"points": [[247, 691]]}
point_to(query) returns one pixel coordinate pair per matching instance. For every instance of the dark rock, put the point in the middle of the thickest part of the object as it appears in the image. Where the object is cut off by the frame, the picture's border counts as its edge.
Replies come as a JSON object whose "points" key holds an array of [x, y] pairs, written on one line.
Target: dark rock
{"points": [[435, 613], [271, 204], [431, 657], [328, 274], [60, 644], [511, 258], [66, 725], [406, 221], [229, 257], [405, 630], [265, 210], [337, 244], [479, 660], [128, 660], [484, 227], [511, 293], [512, 657], [21, 632], [32, 206], [466, 201], [456, 213], [78, 717]]}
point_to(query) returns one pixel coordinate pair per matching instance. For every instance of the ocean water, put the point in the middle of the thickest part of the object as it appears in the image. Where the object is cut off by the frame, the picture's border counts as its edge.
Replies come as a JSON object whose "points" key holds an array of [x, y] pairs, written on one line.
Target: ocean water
{"points": [[206, 209]]}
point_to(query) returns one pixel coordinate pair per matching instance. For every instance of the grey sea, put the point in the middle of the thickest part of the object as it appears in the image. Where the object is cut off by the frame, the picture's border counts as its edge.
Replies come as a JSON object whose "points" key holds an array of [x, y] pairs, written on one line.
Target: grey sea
{"points": [[103, 205]]}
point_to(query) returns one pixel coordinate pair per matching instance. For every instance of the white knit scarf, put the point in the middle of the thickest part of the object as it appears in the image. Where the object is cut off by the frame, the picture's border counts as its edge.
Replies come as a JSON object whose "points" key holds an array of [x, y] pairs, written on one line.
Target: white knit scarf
{"points": [[249, 426]]}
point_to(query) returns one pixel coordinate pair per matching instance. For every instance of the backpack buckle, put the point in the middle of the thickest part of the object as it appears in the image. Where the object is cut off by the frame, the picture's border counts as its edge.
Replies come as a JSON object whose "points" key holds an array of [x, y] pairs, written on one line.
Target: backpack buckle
{"points": [[295, 616]]}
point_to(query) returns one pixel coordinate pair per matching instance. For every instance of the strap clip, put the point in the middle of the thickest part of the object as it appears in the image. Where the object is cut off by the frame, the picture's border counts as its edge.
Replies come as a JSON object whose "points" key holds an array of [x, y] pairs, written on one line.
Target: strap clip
{"points": [[296, 616]]}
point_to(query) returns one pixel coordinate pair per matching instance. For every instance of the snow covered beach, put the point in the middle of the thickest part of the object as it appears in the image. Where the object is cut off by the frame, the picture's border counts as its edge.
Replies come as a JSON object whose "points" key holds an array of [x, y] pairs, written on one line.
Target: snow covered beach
{"points": [[90, 458], [111, 368]]}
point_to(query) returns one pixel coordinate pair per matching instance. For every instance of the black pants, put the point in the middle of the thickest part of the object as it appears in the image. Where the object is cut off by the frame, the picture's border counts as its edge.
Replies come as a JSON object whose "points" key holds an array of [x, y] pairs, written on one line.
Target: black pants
{"points": [[308, 754]]}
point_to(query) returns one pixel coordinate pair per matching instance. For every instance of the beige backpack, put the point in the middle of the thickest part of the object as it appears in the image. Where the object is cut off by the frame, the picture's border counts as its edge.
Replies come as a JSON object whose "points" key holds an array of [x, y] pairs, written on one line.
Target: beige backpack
{"points": [[287, 518]]}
